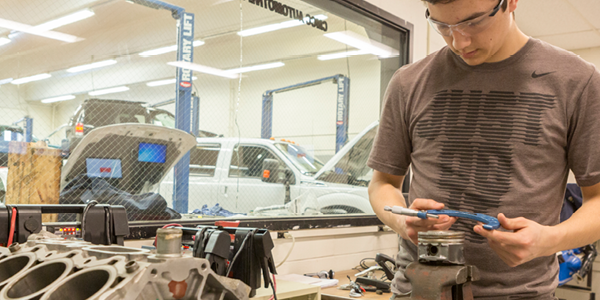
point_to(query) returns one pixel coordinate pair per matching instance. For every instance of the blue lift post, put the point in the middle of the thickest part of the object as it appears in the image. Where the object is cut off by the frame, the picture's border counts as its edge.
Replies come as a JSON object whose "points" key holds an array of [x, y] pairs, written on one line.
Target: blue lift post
{"points": [[343, 99], [183, 94], [195, 115], [28, 129], [195, 112]]}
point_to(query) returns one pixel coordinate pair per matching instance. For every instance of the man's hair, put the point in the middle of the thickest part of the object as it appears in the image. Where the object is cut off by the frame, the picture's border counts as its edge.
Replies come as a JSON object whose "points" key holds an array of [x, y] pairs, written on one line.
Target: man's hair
{"points": [[504, 5]]}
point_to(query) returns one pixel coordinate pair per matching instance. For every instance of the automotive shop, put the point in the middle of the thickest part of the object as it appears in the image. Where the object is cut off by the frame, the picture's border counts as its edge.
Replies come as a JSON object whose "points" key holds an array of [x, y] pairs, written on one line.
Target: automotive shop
{"points": [[306, 149]]}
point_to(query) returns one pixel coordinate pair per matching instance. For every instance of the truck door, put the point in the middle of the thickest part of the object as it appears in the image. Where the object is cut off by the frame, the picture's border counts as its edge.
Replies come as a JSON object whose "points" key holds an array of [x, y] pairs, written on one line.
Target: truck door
{"points": [[204, 178], [243, 190]]}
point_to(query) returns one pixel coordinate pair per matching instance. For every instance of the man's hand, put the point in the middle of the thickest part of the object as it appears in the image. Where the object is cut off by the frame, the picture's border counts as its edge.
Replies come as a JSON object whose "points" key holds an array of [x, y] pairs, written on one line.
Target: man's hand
{"points": [[525, 241], [413, 225]]}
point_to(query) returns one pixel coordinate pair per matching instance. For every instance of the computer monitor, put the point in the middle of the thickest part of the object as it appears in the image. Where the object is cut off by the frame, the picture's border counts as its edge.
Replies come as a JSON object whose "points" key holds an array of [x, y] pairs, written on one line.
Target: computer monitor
{"points": [[103, 168], [152, 153]]}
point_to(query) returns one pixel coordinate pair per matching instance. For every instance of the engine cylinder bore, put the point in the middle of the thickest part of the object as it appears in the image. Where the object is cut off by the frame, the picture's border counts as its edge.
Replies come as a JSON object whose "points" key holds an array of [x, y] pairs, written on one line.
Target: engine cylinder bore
{"points": [[36, 281], [441, 247], [13, 265], [83, 284], [168, 242]]}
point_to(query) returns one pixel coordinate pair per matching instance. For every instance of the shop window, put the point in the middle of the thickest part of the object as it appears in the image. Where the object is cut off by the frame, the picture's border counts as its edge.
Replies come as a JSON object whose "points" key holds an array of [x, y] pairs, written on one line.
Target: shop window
{"points": [[203, 160], [247, 161]]}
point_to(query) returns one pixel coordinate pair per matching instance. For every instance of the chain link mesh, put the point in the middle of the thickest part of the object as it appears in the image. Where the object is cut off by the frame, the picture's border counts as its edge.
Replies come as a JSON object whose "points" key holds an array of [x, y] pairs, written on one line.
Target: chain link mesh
{"points": [[105, 131]]}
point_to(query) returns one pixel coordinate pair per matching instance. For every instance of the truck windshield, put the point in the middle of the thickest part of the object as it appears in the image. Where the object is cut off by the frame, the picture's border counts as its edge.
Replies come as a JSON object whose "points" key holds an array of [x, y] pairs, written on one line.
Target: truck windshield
{"points": [[307, 164]]}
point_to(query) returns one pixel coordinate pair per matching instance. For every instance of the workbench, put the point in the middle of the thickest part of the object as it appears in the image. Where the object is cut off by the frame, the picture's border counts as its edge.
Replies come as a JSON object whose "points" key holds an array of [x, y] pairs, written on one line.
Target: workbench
{"points": [[290, 290], [332, 293]]}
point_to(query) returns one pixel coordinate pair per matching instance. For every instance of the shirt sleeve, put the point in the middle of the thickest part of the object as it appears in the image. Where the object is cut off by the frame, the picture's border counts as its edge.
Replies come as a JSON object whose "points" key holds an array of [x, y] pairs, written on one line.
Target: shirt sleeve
{"points": [[392, 146], [584, 135]]}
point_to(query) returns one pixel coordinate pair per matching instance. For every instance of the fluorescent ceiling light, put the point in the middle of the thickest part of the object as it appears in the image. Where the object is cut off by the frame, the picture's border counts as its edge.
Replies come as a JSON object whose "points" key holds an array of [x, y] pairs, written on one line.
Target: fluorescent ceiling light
{"points": [[358, 41], [4, 41], [109, 91], [202, 69], [72, 18], [255, 68], [56, 99], [5, 81], [273, 27], [31, 78], [168, 49], [95, 65], [165, 82], [31, 30], [341, 54]]}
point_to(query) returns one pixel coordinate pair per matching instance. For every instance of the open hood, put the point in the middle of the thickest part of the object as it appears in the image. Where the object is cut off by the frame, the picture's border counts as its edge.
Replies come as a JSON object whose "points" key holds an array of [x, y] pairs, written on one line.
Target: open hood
{"points": [[349, 165], [131, 157]]}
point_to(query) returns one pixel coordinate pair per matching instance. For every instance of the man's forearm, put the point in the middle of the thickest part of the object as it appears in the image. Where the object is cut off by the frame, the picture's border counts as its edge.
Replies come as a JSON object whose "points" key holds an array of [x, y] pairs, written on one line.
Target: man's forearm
{"points": [[581, 229], [385, 194]]}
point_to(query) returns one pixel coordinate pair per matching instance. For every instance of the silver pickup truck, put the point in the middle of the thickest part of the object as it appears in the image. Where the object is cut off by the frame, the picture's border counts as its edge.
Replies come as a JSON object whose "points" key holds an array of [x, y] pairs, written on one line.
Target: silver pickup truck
{"points": [[269, 177]]}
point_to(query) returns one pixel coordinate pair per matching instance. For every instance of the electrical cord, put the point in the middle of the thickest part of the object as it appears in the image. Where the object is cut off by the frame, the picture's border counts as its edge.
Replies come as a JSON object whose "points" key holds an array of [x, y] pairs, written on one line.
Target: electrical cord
{"points": [[107, 226], [274, 287], [289, 252], [13, 221], [364, 265], [237, 254], [89, 205]]}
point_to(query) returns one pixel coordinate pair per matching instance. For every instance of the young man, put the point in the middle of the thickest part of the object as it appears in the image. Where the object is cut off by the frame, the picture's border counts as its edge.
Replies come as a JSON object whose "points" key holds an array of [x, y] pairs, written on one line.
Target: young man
{"points": [[491, 124]]}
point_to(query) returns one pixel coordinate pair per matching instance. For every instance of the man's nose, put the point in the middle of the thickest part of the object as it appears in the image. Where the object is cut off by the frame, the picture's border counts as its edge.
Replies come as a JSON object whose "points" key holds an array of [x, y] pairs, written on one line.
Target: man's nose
{"points": [[459, 40]]}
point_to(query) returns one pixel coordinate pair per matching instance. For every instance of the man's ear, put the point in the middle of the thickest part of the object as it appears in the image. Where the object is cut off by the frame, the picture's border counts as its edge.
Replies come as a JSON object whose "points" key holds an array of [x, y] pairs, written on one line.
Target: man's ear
{"points": [[512, 5]]}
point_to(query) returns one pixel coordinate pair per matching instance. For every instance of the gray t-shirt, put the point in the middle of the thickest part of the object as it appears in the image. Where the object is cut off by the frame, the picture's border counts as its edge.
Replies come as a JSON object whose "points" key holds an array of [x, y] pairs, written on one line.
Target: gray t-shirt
{"points": [[494, 138]]}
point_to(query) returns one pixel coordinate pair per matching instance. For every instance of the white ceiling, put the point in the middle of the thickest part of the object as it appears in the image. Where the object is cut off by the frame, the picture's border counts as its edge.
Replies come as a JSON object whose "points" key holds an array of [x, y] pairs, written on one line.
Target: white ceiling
{"points": [[119, 30], [569, 24]]}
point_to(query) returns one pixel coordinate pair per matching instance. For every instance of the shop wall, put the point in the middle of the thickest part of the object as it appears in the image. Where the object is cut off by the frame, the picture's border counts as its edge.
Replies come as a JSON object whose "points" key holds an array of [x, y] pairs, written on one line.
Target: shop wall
{"points": [[315, 250], [590, 54], [413, 11], [13, 107]]}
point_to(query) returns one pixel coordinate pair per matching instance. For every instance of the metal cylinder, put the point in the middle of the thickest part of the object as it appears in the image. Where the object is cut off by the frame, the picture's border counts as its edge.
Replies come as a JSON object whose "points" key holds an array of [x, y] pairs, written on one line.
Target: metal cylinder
{"points": [[87, 283], [14, 265], [36, 281], [439, 246], [168, 242]]}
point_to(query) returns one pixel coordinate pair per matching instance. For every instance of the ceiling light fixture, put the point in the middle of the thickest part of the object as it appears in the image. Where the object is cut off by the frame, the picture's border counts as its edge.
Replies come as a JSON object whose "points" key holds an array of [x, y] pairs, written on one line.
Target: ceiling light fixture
{"points": [[165, 82], [68, 19], [168, 49], [31, 78], [57, 99], [109, 91], [358, 41], [255, 68], [95, 65], [341, 54], [202, 69], [5, 81], [278, 26], [30, 29], [4, 41]]}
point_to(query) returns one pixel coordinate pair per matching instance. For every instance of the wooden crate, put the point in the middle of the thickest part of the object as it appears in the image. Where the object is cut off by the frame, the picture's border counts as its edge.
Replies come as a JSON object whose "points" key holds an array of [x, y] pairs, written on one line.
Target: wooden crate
{"points": [[33, 175]]}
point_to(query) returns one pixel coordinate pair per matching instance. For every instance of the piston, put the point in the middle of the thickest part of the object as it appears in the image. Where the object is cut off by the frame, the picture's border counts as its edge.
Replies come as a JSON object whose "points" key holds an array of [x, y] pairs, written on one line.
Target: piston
{"points": [[441, 247]]}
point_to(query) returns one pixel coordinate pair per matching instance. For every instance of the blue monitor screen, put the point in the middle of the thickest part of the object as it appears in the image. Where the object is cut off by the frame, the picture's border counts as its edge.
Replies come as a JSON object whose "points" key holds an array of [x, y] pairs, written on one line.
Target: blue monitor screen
{"points": [[154, 153], [103, 167]]}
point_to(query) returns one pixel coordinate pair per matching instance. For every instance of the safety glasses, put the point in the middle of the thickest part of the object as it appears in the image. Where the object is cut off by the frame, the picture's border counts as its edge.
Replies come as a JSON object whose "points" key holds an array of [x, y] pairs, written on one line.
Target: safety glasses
{"points": [[466, 28]]}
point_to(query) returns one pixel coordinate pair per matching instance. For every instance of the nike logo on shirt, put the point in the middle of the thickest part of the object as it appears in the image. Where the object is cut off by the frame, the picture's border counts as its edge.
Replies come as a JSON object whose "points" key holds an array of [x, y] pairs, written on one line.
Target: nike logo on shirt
{"points": [[534, 75]]}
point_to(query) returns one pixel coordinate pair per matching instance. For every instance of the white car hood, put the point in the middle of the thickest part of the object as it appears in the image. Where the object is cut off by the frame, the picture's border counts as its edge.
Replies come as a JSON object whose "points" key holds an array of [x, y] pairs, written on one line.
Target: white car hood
{"points": [[120, 141], [351, 160]]}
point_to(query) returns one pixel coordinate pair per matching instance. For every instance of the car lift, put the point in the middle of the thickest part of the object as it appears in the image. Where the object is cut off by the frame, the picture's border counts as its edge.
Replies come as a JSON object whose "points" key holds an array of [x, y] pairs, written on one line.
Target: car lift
{"points": [[343, 96], [28, 129], [183, 94]]}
